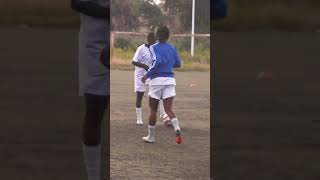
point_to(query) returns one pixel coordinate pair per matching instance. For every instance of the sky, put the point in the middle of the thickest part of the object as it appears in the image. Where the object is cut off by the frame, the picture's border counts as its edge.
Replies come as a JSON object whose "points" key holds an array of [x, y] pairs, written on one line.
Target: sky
{"points": [[157, 1]]}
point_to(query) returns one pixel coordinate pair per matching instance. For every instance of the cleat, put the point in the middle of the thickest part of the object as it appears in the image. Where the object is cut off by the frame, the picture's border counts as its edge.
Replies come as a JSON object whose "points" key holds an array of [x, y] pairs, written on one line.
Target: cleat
{"points": [[147, 139], [139, 122], [178, 137]]}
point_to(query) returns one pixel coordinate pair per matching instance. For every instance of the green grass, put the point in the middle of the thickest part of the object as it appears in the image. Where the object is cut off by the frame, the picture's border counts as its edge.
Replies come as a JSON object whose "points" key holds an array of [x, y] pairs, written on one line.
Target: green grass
{"points": [[125, 46], [199, 62], [126, 65]]}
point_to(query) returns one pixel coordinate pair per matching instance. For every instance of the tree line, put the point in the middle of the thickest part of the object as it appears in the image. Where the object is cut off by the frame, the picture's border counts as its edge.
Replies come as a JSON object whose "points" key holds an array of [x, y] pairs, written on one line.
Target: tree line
{"points": [[131, 15]]}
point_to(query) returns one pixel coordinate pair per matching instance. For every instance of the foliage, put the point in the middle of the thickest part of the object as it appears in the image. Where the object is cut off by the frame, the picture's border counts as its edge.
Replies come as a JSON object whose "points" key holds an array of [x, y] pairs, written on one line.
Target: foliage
{"points": [[123, 17], [128, 15], [125, 47], [183, 10]]}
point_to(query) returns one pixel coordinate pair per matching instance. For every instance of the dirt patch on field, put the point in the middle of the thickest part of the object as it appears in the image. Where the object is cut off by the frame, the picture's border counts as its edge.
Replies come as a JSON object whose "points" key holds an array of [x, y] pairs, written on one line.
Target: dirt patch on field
{"points": [[133, 159]]}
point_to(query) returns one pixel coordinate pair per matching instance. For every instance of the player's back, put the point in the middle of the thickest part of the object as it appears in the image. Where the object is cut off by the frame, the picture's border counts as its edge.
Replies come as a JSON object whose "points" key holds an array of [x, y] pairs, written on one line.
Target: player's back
{"points": [[165, 59], [166, 54]]}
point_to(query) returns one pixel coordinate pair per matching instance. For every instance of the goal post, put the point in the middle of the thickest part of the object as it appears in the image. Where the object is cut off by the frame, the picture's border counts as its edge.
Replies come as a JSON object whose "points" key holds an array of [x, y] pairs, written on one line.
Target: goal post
{"points": [[143, 35]]}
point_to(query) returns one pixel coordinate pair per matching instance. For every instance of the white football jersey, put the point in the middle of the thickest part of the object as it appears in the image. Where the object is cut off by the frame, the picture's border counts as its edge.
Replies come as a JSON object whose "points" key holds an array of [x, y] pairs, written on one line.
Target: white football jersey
{"points": [[143, 55]]}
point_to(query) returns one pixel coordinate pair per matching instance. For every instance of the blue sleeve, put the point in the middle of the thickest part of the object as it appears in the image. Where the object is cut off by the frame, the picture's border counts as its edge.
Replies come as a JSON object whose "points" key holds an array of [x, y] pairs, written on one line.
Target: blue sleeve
{"points": [[218, 9], [153, 68], [90, 9], [156, 62], [177, 62]]}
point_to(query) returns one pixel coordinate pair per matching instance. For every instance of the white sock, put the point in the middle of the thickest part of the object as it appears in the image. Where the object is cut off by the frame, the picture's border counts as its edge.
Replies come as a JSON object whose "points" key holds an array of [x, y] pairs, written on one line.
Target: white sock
{"points": [[162, 111], [139, 113], [175, 123], [151, 131], [92, 160]]}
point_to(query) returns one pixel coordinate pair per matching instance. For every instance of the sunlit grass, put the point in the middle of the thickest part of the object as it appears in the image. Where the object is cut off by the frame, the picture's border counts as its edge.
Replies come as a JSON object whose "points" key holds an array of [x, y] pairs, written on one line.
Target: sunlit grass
{"points": [[200, 61]]}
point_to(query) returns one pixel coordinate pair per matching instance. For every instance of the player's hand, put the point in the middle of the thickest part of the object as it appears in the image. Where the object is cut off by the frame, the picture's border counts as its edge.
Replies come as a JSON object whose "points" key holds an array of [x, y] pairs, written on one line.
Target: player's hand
{"points": [[105, 57], [144, 78], [146, 67]]}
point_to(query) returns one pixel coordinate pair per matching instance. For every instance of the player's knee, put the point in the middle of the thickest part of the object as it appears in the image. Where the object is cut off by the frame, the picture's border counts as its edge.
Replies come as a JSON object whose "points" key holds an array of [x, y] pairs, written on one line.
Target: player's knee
{"points": [[153, 111], [91, 141], [153, 108]]}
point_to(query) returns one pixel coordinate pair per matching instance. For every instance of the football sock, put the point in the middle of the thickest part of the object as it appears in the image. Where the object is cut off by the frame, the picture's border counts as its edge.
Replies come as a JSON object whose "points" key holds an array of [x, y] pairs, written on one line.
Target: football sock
{"points": [[139, 113], [162, 111], [92, 160], [151, 131], [175, 123]]}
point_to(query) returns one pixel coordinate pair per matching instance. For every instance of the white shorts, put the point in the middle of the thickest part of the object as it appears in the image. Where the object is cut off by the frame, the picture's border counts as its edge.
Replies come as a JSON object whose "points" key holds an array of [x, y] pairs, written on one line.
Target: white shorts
{"points": [[139, 86], [162, 91]]}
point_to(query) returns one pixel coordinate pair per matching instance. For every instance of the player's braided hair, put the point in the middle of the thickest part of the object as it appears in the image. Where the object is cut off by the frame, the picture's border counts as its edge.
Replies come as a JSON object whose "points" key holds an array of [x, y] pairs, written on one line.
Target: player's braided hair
{"points": [[162, 33]]}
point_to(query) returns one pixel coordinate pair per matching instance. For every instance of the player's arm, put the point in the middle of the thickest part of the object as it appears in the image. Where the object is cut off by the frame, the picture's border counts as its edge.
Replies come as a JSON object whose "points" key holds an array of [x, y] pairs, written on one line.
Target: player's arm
{"points": [[105, 56], [90, 9], [136, 62], [177, 62], [139, 64], [156, 63]]}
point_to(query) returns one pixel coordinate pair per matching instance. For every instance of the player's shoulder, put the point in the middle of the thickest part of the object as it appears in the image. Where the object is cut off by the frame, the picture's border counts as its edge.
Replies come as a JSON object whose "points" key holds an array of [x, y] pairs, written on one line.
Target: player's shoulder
{"points": [[154, 46], [170, 46], [140, 47]]}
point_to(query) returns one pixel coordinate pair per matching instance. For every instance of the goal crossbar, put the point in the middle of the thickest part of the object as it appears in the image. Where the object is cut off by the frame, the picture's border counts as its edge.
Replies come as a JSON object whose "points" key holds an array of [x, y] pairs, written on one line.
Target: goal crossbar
{"points": [[173, 35]]}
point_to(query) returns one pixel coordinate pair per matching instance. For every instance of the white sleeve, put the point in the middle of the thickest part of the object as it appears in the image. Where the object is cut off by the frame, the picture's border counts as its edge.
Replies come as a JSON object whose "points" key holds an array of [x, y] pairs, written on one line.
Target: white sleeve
{"points": [[153, 55], [137, 55]]}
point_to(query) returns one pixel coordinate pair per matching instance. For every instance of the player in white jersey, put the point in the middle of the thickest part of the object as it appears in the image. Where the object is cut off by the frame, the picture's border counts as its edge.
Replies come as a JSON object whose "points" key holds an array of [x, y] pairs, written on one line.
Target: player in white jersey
{"points": [[142, 60], [93, 77]]}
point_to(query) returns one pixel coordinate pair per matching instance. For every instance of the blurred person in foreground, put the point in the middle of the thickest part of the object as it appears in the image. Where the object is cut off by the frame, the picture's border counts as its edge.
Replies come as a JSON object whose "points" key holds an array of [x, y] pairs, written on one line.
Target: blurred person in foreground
{"points": [[93, 76]]}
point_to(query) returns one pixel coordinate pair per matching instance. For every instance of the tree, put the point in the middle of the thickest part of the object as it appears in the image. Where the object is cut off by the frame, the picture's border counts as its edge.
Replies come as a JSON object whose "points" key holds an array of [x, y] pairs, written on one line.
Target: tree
{"points": [[123, 17], [180, 14], [152, 14], [128, 15], [181, 9]]}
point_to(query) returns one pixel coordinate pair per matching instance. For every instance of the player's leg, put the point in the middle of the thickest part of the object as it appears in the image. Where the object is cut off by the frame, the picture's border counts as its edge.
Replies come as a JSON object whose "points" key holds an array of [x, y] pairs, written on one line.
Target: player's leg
{"points": [[168, 107], [153, 104], [91, 133], [139, 88], [163, 114], [95, 109], [154, 96], [168, 96], [139, 107], [161, 109]]}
